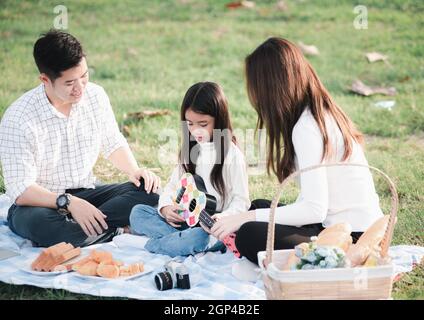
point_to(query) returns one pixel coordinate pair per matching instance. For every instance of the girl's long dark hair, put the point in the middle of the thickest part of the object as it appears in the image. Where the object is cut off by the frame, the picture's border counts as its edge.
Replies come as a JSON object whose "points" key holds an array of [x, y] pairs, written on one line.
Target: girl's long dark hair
{"points": [[207, 98], [281, 83]]}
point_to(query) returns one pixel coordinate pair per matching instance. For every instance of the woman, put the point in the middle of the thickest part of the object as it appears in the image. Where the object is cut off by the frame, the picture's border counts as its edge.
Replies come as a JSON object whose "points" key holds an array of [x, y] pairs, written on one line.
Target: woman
{"points": [[304, 127]]}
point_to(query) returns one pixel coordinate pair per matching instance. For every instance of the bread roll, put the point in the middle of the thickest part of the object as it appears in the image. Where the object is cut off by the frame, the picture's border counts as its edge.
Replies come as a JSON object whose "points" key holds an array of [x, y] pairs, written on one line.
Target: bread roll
{"points": [[60, 267], [291, 261], [107, 270], [101, 256], [136, 268], [80, 263], [339, 239], [88, 269], [339, 227]]}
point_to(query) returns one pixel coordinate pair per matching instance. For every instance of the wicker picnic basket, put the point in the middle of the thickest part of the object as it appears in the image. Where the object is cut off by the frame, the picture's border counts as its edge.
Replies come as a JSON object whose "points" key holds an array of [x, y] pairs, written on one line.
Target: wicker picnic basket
{"points": [[339, 283]]}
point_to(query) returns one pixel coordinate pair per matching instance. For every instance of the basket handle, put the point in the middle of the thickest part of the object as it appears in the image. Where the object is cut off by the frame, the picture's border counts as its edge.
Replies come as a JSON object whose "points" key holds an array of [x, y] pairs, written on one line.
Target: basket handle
{"points": [[388, 235]]}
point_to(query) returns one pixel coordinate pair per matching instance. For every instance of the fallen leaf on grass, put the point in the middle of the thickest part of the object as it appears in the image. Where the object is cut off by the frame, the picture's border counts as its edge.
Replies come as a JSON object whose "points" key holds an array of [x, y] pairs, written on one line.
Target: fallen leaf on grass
{"points": [[219, 32], [308, 50], [132, 117], [282, 6], [146, 113], [375, 56], [388, 104], [126, 131], [240, 4], [360, 88]]}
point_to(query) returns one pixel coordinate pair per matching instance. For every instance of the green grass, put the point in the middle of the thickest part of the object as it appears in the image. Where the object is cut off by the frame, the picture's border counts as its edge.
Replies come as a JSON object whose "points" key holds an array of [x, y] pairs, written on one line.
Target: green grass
{"points": [[146, 55]]}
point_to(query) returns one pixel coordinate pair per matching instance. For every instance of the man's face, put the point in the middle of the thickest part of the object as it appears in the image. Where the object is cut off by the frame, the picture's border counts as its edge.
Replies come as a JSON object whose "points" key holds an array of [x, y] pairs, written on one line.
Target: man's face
{"points": [[69, 87]]}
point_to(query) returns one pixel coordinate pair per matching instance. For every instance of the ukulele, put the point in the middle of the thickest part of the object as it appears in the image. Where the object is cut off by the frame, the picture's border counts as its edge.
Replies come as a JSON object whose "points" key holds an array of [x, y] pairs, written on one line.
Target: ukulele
{"points": [[197, 205]]}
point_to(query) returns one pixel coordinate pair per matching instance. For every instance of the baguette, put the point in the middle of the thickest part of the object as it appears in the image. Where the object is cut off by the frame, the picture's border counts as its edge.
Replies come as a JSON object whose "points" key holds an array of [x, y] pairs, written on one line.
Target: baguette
{"points": [[369, 241], [374, 234]]}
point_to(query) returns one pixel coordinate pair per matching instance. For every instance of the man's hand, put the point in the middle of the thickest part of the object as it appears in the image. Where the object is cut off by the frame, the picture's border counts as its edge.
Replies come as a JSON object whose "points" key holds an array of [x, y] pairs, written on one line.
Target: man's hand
{"points": [[151, 180], [170, 213], [228, 224], [87, 216]]}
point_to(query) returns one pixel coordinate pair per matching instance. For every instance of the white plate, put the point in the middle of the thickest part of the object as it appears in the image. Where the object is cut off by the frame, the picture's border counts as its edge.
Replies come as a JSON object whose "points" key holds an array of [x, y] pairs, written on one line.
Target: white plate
{"points": [[28, 269], [147, 269]]}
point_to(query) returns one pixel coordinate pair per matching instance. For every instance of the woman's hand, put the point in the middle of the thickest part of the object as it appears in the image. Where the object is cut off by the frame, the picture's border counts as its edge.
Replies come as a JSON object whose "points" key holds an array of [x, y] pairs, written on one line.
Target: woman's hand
{"points": [[151, 180], [228, 224], [170, 214], [215, 217]]}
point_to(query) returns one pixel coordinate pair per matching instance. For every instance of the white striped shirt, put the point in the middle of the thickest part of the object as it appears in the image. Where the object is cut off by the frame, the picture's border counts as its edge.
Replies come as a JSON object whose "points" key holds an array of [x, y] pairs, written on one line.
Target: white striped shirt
{"points": [[38, 144]]}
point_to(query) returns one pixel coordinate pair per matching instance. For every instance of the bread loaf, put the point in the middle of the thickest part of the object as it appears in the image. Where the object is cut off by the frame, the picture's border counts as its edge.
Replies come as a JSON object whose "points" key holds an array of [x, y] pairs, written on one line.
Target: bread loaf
{"points": [[55, 255]]}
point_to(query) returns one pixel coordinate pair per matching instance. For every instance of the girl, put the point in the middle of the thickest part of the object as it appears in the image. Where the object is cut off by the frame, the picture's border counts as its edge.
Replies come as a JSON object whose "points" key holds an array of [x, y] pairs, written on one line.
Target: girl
{"points": [[208, 150], [305, 127]]}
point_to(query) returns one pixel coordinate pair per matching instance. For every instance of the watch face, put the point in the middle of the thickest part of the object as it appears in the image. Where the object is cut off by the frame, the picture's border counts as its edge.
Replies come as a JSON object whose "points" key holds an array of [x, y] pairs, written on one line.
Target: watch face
{"points": [[61, 201]]}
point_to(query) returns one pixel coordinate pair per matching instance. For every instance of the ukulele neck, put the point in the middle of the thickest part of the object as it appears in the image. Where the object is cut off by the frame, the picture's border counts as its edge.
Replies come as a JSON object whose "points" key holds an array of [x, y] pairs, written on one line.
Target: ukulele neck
{"points": [[206, 219]]}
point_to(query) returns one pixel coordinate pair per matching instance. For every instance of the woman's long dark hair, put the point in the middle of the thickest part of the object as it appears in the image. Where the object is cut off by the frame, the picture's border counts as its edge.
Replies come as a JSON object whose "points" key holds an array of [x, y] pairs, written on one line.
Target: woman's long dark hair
{"points": [[281, 83], [207, 98]]}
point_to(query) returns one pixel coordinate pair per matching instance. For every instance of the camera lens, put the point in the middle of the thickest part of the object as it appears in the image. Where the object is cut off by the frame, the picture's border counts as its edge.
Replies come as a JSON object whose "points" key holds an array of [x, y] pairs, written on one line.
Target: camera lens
{"points": [[163, 281]]}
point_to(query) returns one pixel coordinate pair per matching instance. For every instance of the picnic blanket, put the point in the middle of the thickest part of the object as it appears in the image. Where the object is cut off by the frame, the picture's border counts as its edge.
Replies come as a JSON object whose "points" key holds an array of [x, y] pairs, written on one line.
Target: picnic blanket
{"points": [[211, 274]]}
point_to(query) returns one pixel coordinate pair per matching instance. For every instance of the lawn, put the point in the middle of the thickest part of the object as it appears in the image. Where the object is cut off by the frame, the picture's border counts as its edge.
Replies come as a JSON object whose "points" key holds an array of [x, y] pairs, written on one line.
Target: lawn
{"points": [[147, 53]]}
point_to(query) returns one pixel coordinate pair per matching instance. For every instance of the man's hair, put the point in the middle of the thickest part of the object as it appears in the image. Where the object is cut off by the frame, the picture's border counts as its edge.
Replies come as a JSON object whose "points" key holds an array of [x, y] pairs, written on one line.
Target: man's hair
{"points": [[57, 51]]}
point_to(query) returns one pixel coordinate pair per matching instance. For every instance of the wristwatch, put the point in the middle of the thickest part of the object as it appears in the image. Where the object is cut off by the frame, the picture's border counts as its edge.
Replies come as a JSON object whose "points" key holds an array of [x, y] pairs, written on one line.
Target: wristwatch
{"points": [[62, 203]]}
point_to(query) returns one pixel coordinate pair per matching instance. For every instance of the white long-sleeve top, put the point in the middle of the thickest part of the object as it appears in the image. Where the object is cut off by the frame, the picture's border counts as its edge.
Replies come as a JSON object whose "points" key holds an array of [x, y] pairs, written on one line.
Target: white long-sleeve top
{"points": [[234, 174], [328, 195]]}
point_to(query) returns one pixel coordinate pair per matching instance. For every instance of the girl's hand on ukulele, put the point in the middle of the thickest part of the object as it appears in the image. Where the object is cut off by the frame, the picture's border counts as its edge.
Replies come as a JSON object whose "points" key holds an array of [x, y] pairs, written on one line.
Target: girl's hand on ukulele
{"points": [[228, 224], [170, 214]]}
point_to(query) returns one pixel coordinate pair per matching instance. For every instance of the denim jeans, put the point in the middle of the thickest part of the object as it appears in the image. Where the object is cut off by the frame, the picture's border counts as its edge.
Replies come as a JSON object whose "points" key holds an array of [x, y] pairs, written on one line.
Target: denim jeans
{"points": [[45, 227], [164, 238]]}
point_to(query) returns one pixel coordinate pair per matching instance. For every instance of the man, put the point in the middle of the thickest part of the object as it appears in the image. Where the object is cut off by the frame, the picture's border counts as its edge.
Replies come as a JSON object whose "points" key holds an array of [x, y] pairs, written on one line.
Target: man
{"points": [[50, 139]]}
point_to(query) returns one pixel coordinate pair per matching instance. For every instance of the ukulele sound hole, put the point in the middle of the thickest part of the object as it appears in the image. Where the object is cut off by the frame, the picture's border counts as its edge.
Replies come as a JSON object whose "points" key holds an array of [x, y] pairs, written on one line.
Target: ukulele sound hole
{"points": [[193, 204]]}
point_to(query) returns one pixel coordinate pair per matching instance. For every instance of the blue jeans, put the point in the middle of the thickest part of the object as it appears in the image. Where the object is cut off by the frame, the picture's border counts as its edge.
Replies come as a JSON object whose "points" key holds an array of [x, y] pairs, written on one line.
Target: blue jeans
{"points": [[164, 238], [45, 227]]}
